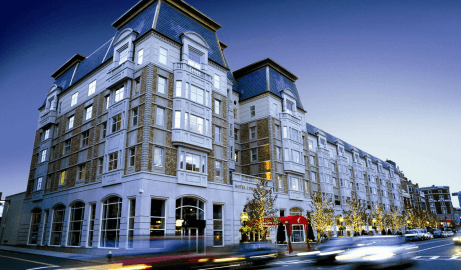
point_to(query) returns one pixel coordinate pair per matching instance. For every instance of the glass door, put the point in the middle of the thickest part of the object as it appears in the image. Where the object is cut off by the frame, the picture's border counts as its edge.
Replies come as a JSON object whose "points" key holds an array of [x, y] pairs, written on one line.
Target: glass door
{"points": [[195, 239]]}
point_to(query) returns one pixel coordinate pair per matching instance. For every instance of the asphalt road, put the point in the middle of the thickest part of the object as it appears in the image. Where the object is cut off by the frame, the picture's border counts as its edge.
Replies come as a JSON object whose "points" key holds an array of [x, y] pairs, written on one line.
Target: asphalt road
{"points": [[430, 254]]}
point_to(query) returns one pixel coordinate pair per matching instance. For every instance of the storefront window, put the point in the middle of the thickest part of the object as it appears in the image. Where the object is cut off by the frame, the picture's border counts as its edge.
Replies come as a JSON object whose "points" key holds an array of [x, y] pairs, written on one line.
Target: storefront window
{"points": [[77, 212], [34, 226], [157, 223], [57, 225], [217, 225], [297, 234], [110, 223]]}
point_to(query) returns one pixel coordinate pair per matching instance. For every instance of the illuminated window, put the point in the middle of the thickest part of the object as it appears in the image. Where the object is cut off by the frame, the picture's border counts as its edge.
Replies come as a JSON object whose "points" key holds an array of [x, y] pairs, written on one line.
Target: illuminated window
{"points": [[217, 225], [43, 156], [63, 179], [81, 171]]}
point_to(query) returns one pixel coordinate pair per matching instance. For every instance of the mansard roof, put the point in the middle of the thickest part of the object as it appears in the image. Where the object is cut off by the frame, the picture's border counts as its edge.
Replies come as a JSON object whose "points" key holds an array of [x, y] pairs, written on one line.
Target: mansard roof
{"points": [[265, 76], [348, 147], [174, 18]]}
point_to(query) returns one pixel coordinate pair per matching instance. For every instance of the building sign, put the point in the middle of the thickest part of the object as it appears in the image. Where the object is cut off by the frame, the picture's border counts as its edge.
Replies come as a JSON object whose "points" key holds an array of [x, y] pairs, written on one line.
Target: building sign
{"points": [[243, 187]]}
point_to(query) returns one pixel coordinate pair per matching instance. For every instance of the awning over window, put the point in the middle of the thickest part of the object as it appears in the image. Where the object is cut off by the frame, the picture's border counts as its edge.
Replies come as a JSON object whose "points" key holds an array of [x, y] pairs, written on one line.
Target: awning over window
{"points": [[294, 220]]}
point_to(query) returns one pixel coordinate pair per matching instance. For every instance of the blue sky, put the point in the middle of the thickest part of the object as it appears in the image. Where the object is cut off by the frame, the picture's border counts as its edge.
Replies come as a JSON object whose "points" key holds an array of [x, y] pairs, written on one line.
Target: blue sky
{"points": [[384, 76]]}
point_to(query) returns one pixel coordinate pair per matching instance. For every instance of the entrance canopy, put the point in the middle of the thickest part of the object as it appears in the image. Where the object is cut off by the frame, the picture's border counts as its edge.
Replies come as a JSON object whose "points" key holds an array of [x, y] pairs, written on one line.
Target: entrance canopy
{"points": [[294, 220]]}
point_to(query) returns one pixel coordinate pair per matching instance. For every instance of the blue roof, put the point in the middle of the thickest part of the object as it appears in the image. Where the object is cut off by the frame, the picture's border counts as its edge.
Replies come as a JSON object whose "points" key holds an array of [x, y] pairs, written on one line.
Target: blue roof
{"points": [[173, 23], [331, 139], [64, 80], [278, 82], [91, 62], [252, 84]]}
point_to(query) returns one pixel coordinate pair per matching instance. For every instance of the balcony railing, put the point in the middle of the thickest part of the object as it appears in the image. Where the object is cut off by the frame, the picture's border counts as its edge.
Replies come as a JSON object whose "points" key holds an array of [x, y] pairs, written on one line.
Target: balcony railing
{"points": [[188, 68]]}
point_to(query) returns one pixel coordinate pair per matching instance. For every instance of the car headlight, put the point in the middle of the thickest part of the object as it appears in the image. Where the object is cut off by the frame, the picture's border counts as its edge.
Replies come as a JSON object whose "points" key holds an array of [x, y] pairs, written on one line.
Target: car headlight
{"points": [[349, 256], [330, 252], [456, 239]]}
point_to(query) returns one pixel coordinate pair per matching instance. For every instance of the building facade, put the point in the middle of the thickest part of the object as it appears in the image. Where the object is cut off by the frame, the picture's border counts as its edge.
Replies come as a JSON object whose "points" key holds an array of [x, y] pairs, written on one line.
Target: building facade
{"points": [[153, 135], [439, 202]]}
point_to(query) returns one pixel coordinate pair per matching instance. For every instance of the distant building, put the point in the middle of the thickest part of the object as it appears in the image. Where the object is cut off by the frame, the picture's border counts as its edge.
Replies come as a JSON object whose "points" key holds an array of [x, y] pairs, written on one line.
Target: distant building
{"points": [[11, 220], [459, 197], [439, 201]]}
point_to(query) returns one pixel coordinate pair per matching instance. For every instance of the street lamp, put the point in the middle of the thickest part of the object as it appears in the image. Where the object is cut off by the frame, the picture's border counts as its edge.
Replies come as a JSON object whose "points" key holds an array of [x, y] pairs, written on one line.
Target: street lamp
{"points": [[244, 218]]}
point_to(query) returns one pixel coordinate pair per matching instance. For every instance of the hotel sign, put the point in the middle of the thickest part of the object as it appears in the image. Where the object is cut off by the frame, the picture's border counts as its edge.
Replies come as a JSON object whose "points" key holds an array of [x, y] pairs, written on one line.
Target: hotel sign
{"points": [[244, 187]]}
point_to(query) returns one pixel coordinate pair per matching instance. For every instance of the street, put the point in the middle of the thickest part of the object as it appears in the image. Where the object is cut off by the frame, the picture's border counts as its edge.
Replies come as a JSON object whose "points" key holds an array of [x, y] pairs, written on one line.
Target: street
{"points": [[430, 254]]}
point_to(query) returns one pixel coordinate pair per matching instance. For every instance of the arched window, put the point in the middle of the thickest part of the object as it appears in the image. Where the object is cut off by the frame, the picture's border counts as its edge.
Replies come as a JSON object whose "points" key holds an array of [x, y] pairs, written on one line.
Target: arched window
{"points": [[77, 212], [190, 222], [110, 226], [296, 211], [34, 226], [189, 209], [57, 225]]}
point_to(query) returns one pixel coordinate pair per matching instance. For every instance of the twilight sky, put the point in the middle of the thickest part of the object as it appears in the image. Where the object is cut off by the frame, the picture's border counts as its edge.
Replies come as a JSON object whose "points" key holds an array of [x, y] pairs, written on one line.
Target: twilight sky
{"points": [[384, 76]]}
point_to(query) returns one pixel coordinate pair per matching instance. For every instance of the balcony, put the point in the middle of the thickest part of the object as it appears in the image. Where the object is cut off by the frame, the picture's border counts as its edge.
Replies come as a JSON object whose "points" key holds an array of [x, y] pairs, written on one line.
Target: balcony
{"points": [[294, 167], [112, 178], [192, 179], [296, 195], [37, 195], [120, 73], [47, 118], [190, 69]]}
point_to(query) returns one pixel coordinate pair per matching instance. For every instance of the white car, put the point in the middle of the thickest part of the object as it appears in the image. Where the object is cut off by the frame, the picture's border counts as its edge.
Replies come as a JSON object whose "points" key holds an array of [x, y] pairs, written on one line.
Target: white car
{"points": [[414, 235]]}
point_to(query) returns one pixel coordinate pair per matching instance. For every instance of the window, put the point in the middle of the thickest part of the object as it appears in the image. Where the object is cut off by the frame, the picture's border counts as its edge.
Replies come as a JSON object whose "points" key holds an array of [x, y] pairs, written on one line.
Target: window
{"points": [[43, 156], [158, 157], [123, 54], [196, 124], [63, 179], [91, 88], [113, 160], [163, 55], [140, 55], [286, 154], [100, 166], [74, 99], [289, 106], [294, 135], [56, 130], [341, 151], [131, 216], [254, 155], [217, 81], [285, 132], [88, 113], [66, 147], [157, 222], [190, 209], [196, 94], [252, 111], [279, 181], [161, 83], [77, 213], [277, 131], [217, 225], [39, 183], [132, 157], [236, 134], [116, 122], [110, 223], [297, 235], [218, 168], [119, 94], [193, 163], [178, 88], [187, 90], [134, 117], [217, 106], [236, 156], [323, 142], [312, 160], [107, 101], [296, 184], [320, 161], [194, 59], [81, 172], [137, 85], [104, 130], [252, 133], [71, 122], [91, 225], [57, 225], [296, 156], [177, 119], [217, 134], [278, 153], [34, 226], [85, 138], [47, 134]]}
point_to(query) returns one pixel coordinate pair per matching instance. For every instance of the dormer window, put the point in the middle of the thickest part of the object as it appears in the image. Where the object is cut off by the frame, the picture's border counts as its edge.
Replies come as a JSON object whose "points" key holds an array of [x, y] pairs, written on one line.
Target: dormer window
{"points": [[356, 158], [289, 106], [341, 151], [369, 163], [194, 59], [323, 142], [123, 54]]}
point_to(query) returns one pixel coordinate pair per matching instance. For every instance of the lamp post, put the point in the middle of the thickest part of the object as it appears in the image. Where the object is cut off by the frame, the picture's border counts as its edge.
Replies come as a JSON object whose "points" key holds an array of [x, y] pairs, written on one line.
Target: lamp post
{"points": [[341, 220], [244, 218]]}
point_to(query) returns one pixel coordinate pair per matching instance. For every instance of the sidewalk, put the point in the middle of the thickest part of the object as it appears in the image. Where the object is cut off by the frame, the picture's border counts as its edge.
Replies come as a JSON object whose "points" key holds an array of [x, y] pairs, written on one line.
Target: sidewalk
{"points": [[50, 253]]}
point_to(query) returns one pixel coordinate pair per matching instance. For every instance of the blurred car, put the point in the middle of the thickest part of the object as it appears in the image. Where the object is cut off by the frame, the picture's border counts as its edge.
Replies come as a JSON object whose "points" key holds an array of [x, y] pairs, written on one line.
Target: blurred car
{"points": [[378, 251], [457, 239], [450, 233], [444, 234], [414, 235], [425, 235], [431, 236], [334, 246], [437, 233]]}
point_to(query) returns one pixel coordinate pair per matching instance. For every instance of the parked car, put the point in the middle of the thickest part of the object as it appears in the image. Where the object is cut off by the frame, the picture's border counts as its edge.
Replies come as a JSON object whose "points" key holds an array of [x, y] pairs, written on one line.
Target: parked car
{"points": [[414, 235], [444, 234], [431, 236], [450, 233], [437, 233]]}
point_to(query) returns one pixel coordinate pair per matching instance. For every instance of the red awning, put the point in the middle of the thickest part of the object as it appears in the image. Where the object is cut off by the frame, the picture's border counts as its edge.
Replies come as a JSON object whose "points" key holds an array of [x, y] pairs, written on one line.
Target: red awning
{"points": [[294, 220]]}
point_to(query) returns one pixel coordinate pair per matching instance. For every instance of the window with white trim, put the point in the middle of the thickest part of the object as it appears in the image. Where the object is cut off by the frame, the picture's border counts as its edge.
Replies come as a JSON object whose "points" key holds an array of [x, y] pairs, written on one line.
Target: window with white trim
{"points": [[91, 225], [137, 85], [178, 88], [81, 169], [196, 94], [254, 155], [110, 222], [196, 124], [217, 106], [177, 119], [134, 117], [161, 85], [131, 216], [252, 133], [217, 134], [91, 88], [217, 225], [278, 153], [252, 111], [77, 214], [123, 54], [158, 157], [38, 186], [313, 177], [74, 99], [88, 113], [132, 157], [217, 81], [71, 122], [194, 59], [117, 122], [113, 161], [218, 168], [43, 156], [140, 56], [57, 225], [119, 94], [47, 134], [160, 116], [296, 184], [107, 101], [163, 55]]}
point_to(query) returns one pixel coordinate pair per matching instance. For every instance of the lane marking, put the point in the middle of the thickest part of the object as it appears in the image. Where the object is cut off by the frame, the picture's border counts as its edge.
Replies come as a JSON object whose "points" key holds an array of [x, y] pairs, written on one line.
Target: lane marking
{"points": [[434, 257], [430, 248], [417, 257], [41, 267], [454, 257], [28, 260]]}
